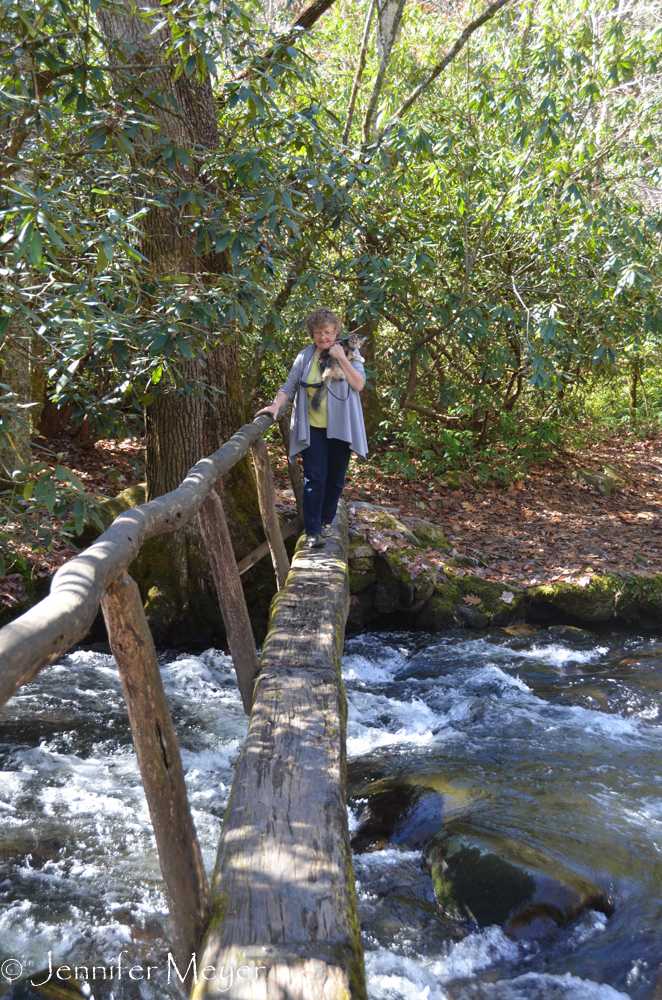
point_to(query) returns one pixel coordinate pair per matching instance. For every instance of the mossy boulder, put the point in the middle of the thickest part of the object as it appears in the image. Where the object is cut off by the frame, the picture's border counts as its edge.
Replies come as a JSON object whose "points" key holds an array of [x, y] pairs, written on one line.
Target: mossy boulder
{"points": [[360, 579], [453, 480], [395, 577], [601, 598], [437, 613], [471, 617], [603, 484], [447, 605], [429, 535], [370, 524], [109, 509], [482, 878]]}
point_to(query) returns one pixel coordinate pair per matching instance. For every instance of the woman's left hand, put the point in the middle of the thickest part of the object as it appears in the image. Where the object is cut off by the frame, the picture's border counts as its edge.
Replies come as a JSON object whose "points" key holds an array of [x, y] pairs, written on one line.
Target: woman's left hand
{"points": [[336, 351]]}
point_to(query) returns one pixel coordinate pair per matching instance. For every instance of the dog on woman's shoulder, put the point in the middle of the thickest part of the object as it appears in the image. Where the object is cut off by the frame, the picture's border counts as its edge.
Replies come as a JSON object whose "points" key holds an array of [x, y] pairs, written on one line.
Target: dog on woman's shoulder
{"points": [[330, 367]]}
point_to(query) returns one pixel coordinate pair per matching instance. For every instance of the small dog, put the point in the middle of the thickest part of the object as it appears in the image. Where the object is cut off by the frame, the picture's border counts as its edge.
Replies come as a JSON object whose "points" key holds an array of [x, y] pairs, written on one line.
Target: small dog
{"points": [[330, 367]]}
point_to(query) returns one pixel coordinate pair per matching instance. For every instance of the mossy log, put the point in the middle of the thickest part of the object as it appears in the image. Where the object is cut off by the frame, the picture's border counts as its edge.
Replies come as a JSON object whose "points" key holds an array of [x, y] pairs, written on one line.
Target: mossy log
{"points": [[284, 918]]}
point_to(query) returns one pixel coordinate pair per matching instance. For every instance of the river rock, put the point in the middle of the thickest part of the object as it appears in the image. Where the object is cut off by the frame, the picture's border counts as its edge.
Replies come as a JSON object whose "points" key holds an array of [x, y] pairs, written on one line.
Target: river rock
{"points": [[360, 552], [412, 593], [484, 879], [471, 617], [397, 904], [361, 565], [402, 815]]}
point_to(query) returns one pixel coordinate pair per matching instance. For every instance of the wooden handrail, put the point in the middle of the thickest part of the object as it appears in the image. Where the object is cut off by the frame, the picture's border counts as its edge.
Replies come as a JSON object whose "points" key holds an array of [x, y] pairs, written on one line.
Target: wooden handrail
{"points": [[44, 633]]}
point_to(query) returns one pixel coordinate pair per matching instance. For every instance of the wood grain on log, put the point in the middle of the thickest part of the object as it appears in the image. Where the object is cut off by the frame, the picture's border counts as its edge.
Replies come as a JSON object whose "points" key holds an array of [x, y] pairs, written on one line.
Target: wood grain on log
{"points": [[261, 551], [230, 593], [284, 918], [296, 477], [267, 498], [160, 764], [44, 633]]}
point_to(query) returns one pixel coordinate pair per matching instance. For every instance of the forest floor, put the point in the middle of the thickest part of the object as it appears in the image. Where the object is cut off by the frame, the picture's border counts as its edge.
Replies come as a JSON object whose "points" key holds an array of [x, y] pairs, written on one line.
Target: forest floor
{"points": [[547, 528]]}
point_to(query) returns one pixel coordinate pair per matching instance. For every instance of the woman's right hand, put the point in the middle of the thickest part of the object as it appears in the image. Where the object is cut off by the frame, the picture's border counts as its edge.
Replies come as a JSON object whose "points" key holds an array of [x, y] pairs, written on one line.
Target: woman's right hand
{"points": [[271, 410], [275, 406]]}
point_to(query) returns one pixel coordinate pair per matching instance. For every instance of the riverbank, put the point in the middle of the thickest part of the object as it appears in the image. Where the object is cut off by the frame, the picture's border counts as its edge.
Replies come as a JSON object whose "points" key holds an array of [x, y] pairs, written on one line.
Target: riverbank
{"points": [[547, 530]]}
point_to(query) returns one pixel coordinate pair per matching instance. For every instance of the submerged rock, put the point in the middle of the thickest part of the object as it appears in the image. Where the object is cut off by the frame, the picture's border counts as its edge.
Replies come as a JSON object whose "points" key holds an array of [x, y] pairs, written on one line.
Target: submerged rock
{"points": [[401, 815], [52, 988], [485, 880]]}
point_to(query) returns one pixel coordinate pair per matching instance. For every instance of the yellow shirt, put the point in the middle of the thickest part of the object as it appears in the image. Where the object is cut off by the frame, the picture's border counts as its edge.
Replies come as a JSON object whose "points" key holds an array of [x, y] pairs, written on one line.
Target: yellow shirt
{"points": [[316, 418]]}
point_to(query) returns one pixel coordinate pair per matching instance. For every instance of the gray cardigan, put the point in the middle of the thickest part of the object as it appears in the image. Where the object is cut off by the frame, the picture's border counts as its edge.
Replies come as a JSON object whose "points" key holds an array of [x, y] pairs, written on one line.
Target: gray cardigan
{"points": [[344, 416]]}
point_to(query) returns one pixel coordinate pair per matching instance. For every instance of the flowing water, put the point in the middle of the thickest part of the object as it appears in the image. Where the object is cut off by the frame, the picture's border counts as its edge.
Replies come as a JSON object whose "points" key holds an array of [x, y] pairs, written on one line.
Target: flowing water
{"points": [[545, 742]]}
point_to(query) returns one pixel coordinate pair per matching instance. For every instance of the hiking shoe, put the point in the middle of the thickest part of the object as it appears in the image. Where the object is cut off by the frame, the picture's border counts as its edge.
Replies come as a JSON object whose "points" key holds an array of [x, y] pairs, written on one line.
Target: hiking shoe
{"points": [[315, 542], [327, 530]]}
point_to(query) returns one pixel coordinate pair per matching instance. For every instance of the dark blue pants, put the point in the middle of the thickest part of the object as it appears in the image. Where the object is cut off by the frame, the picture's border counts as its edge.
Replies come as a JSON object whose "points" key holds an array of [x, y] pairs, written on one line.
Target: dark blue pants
{"points": [[325, 463]]}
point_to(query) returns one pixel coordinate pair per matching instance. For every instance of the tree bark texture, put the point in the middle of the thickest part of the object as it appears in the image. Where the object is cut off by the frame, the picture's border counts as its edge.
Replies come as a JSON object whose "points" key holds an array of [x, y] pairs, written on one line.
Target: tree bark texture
{"points": [[267, 497], [44, 633], [230, 593], [180, 430], [386, 13], [160, 764], [15, 372], [283, 899], [373, 412]]}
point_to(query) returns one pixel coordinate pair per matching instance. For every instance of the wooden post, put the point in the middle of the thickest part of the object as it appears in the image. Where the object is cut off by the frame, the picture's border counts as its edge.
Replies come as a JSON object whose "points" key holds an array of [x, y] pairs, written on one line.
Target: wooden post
{"points": [[293, 468], [284, 917], [230, 593], [261, 551], [267, 497], [160, 765]]}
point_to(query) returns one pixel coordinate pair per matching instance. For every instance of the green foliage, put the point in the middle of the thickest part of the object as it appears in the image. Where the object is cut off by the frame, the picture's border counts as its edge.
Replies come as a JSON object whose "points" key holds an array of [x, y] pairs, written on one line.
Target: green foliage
{"points": [[500, 237]]}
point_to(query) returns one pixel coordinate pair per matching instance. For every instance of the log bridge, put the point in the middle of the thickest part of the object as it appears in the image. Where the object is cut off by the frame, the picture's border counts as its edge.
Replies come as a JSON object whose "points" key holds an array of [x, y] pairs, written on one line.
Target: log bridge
{"points": [[279, 920]]}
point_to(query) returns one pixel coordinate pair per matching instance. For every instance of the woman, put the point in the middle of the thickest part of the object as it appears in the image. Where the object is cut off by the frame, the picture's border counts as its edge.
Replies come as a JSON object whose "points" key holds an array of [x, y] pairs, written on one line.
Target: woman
{"points": [[325, 436]]}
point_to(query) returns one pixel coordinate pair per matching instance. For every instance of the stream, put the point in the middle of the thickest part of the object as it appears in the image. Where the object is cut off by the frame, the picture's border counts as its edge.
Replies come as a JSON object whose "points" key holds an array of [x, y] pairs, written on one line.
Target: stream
{"points": [[539, 746]]}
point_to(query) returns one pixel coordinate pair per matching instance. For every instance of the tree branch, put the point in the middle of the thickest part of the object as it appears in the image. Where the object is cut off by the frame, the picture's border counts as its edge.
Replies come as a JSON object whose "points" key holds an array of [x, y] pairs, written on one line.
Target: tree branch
{"points": [[305, 20], [359, 72], [431, 414], [477, 23]]}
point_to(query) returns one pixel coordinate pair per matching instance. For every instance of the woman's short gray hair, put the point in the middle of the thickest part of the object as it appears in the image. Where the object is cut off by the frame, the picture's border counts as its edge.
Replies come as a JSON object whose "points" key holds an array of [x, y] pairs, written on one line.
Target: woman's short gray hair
{"points": [[321, 317]]}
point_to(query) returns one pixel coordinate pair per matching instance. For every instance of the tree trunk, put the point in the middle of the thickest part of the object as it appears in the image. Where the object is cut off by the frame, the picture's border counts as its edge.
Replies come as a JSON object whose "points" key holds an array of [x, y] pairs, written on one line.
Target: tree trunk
{"points": [[15, 372], [634, 377], [386, 11], [181, 429], [373, 413]]}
